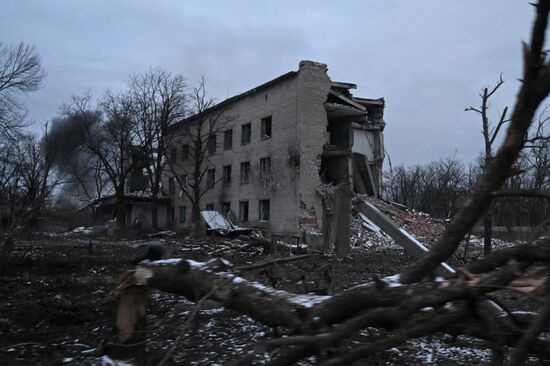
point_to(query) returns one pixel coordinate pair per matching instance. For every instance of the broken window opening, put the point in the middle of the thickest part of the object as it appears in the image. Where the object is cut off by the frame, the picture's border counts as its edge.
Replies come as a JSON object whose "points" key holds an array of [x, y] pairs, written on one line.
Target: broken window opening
{"points": [[171, 186], [226, 208], [266, 128], [228, 140], [171, 212], [210, 177], [173, 156], [183, 214], [263, 210], [246, 132], [340, 134], [184, 152], [265, 168], [334, 170], [226, 175], [211, 144], [245, 172], [243, 211]]}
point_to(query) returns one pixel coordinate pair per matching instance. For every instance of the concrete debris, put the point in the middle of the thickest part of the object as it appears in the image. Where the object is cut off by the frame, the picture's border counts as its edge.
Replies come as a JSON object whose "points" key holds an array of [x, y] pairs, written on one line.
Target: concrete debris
{"points": [[218, 223], [368, 224]]}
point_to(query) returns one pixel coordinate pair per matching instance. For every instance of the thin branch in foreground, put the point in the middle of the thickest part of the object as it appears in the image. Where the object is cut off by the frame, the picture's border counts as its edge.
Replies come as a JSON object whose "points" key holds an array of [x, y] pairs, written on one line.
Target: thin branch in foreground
{"points": [[538, 325], [435, 324]]}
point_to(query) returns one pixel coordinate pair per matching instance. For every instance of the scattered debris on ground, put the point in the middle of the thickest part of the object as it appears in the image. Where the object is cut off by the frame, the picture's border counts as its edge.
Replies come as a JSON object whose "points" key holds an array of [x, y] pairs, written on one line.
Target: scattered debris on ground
{"points": [[58, 303]]}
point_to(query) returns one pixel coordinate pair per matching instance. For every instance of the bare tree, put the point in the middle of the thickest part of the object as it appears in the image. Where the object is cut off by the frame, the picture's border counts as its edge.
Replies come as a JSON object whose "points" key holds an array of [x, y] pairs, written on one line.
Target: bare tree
{"points": [[490, 132], [108, 134], [88, 180], [200, 142], [85, 177], [10, 185], [20, 72], [434, 188], [97, 183], [534, 89], [27, 181], [158, 99]]}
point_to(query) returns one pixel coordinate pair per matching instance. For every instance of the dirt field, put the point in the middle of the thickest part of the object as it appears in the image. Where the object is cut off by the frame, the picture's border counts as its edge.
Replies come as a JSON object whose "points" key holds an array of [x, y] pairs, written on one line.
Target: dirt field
{"points": [[57, 306]]}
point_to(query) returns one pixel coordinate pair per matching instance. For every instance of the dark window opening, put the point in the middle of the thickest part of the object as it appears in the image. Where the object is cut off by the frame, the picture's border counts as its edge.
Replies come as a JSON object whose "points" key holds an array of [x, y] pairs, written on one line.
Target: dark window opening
{"points": [[183, 180], [265, 168], [340, 134], [263, 210], [226, 208], [184, 152], [228, 140], [266, 128], [246, 132], [209, 207], [210, 177], [245, 172], [243, 211], [170, 212], [334, 170], [173, 155], [171, 186], [227, 174], [183, 214], [211, 144]]}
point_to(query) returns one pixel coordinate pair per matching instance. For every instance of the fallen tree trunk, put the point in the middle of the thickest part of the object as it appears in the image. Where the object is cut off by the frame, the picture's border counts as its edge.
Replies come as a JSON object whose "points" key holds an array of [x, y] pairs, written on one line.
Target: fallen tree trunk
{"points": [[195, 279], [319, 321], [305, 314]]}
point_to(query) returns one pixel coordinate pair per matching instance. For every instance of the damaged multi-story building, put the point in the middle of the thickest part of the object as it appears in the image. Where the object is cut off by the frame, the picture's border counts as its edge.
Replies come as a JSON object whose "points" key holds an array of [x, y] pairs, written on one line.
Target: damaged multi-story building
{"points": [[291, 140]]}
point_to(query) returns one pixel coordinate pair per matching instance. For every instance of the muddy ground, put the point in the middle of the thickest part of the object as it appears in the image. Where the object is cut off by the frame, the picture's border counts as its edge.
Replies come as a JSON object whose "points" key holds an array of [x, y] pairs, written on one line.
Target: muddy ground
{"points": [[57, 306]]}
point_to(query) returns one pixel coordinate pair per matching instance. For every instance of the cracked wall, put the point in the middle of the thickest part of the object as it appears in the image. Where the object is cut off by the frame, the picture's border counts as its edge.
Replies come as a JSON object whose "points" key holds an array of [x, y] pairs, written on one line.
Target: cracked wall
{"points": [[313, 86], [296, 103]]}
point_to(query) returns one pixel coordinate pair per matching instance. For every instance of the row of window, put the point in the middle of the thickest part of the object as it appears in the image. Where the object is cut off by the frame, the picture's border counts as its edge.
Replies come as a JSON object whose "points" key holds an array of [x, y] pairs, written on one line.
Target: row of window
{"points": [[265, 173], [263, 210], [246, 134]]}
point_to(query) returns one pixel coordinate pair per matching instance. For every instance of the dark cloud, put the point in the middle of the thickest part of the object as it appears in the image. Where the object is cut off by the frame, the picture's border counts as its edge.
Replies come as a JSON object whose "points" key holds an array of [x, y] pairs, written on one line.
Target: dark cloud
{"points": [[428, 58]]}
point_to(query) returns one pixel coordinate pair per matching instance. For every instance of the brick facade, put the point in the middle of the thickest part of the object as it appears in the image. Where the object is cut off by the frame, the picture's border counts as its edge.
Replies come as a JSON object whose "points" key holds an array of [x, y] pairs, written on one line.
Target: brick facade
{"points": [[294, 107]]}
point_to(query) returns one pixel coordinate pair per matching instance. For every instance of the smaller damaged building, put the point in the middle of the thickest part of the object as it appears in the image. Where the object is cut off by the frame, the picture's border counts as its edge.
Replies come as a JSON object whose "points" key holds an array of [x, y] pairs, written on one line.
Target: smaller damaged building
{"points": [[290, 143], [137, 211]]}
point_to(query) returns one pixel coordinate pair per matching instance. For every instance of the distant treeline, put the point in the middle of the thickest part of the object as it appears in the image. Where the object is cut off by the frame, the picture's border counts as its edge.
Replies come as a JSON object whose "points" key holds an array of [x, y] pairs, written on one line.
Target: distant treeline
{"points": [[438, 188]]}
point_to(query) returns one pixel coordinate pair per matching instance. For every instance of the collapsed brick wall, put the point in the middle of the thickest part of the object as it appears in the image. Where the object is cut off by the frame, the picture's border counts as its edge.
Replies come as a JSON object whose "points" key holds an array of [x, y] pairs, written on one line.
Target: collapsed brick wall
{"points": [[312, 90], [307, 219]]}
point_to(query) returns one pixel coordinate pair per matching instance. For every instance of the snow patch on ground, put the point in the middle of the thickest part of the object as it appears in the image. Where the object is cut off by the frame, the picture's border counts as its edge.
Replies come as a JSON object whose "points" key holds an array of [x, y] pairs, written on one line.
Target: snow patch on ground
{"points": [[393, 281], [108, 361], [308, 301], [167, 261], [437, 351]]}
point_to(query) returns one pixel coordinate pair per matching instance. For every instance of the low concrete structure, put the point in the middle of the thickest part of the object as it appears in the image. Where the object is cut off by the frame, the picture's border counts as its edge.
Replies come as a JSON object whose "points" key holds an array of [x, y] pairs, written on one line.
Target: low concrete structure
{"points": [[290, 140], [137, 210]]}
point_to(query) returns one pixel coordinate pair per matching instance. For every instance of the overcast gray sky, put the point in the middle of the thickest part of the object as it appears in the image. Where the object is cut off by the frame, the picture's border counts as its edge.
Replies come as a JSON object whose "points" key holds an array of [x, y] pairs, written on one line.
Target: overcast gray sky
{"points": [[427, 58]]}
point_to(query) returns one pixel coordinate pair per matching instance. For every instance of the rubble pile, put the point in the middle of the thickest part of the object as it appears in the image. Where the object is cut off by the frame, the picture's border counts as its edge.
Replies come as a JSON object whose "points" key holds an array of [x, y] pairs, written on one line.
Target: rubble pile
{"points": [[422, 226], [365, 238]]}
